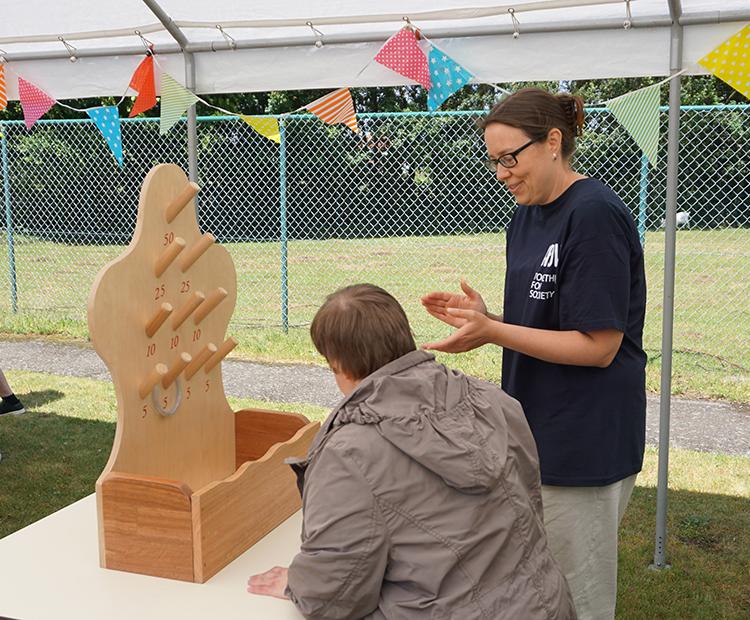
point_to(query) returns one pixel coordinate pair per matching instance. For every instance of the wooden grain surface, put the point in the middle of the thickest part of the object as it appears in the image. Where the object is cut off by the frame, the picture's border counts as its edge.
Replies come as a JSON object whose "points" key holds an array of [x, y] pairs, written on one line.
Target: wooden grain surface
{"points": [[196, 444], [147, 525], [231, 515]]}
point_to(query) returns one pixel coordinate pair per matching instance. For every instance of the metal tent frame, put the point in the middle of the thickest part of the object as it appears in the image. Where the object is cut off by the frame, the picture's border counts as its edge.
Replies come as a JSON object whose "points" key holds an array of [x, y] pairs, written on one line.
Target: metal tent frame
{"points": [[676, 21]]}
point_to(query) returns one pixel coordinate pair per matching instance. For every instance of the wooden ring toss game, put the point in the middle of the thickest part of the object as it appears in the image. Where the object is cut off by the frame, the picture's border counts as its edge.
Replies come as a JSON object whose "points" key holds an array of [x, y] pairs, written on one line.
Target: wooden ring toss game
{"points": [[190, 484]]}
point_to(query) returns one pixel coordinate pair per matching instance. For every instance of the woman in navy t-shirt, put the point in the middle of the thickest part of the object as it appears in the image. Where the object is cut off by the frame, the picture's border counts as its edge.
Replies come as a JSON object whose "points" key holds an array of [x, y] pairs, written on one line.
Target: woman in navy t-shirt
{"points": [[571, 332]]}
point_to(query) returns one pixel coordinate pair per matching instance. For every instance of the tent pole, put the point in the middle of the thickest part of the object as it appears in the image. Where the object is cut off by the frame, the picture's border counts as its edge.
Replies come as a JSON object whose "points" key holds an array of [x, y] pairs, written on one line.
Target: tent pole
{"points": [[182, 41], [670, 238], [192, 122]]}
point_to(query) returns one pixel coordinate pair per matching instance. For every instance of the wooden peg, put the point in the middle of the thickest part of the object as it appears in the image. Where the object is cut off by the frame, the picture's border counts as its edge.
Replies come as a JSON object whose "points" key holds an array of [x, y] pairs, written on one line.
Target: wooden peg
{"points": [[186, 309], [220, 354], [213, 300], [178, 202], [199, 360], [162, 314], [168, 255], [152, 379], [196, 250], [177, 368]]}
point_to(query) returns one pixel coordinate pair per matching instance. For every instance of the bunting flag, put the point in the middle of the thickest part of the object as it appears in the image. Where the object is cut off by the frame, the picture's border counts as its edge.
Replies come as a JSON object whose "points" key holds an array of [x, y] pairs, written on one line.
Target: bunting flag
{"points": [[35, 103], [175, 99], [336, 107], [447, 77], [142, 82], [107, 119], [638, 112], [402, 54], [730, 62], [3, 94], [265, 126]]}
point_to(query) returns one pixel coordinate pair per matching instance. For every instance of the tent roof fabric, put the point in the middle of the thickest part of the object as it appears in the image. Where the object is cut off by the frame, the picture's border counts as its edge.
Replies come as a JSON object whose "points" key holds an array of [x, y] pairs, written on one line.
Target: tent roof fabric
{"points": [[275, 42]]}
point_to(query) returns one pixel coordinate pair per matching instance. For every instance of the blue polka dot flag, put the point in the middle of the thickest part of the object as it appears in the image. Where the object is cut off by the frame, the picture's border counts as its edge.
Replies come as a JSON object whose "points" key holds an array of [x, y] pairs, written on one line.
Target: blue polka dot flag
{"points": [[107, 119], [447, 77]]}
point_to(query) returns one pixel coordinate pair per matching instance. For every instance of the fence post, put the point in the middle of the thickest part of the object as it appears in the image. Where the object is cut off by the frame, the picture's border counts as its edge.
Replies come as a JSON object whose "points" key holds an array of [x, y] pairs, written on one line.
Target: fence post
{"points": [[9, 220], [643, 202], [283, 231]]}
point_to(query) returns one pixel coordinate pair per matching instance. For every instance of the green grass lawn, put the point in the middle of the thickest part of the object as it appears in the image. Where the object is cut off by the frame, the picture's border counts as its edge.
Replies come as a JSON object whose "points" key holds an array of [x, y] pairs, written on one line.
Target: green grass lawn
{"points": [[711, 324], [53, 454]]}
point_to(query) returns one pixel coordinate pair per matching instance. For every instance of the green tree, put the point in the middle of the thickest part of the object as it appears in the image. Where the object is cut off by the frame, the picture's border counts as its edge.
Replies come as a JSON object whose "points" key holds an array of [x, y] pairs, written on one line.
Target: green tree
{"points": [[696, 90]]}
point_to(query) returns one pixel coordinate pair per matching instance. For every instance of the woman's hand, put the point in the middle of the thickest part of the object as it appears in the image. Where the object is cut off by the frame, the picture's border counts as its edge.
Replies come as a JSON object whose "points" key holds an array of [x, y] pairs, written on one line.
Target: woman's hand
{"points": [[474, 330], [438, 304], [271, 583]]}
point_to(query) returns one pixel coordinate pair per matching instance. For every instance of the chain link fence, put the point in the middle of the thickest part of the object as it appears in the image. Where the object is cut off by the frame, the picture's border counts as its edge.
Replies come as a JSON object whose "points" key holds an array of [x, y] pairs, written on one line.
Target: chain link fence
{"points": [[406, 204]]}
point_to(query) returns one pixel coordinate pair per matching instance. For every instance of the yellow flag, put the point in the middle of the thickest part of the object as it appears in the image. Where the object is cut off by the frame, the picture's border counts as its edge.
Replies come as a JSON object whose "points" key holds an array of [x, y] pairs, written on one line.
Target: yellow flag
{"points": [[265, 126], [730, 61]]}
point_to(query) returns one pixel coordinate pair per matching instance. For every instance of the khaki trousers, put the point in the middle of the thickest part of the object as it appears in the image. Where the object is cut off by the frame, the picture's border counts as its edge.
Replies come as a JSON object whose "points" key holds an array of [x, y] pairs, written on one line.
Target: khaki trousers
{"points": [[582, 525]]}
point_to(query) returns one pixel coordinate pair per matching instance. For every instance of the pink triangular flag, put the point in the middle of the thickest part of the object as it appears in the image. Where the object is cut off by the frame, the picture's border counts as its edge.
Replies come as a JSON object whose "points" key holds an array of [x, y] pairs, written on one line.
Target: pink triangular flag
{"points": [[403, 54], [35, 103]]}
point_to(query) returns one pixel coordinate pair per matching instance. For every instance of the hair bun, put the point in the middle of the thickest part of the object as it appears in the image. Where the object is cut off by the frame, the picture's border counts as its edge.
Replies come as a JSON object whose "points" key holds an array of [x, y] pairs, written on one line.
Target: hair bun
{"points": [[572, 106]]}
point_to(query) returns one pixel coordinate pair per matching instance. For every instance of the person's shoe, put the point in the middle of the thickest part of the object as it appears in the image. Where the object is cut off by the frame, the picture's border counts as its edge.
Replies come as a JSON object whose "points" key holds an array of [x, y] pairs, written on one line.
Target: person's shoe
{"points": [[9, 407]]}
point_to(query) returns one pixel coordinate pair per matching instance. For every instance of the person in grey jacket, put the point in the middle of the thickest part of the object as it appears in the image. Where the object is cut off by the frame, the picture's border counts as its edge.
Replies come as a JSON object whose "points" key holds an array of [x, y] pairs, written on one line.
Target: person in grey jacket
{"points": [[421, 492]]}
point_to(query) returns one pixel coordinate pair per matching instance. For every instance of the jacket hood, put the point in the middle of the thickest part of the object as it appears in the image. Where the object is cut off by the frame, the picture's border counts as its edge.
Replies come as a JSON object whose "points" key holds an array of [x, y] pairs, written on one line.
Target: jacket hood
{"points": [[440, 418]]}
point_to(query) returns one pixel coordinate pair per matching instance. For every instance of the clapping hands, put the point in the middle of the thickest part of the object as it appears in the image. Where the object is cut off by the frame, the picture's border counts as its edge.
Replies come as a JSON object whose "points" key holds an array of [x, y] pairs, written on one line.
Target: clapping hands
{"points": [[467, 312]]}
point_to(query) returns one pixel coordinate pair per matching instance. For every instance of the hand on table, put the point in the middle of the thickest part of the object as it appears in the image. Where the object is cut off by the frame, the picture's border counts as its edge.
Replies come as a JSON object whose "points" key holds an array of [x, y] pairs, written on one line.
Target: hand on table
{"points": [[438, 304], [271, 583]]}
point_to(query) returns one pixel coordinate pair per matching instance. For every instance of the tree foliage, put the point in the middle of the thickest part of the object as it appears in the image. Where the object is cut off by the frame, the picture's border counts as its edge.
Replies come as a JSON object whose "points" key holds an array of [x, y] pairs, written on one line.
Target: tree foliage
{"points": [[402, 175], [696, 90]]}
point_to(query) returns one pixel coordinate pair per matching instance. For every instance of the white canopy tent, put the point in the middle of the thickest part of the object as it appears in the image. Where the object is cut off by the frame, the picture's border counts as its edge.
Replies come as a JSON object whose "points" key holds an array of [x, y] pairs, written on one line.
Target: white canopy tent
{"points": [[270, 46], [225, 46]]}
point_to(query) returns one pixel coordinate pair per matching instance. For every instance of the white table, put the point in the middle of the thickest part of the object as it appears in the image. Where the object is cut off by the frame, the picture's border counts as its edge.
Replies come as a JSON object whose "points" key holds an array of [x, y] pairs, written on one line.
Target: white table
{"points": [[50, 569]]}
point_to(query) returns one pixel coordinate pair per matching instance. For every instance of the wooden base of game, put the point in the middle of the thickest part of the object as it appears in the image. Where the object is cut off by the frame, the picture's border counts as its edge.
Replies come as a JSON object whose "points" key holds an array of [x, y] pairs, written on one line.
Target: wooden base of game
{"points": [[160, 527]]}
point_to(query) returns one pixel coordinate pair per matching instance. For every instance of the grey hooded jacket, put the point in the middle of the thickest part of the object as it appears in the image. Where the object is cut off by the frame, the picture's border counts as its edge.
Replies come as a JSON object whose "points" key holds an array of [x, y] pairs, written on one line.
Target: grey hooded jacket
{"points": [[422, 500]]}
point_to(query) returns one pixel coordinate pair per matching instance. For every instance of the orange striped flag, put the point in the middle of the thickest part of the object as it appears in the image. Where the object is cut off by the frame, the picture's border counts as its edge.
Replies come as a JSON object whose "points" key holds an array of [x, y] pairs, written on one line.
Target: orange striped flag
{"points": [[3, 95], [336, 107]]}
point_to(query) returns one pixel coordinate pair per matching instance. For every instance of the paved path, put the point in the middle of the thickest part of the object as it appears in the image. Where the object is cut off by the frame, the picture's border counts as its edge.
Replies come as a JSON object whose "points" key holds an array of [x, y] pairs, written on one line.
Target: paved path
{"points": [[695, 424]]}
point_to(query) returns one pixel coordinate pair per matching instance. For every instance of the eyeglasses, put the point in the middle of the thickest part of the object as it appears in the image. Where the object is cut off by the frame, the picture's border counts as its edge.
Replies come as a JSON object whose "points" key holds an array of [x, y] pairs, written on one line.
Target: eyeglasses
{"points": [[508, 160]]}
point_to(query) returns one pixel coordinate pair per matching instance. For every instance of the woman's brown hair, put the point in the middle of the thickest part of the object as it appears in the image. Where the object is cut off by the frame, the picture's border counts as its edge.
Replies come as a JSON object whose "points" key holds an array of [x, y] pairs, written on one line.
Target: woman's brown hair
{"points": [[535, 111], [360, 328]]}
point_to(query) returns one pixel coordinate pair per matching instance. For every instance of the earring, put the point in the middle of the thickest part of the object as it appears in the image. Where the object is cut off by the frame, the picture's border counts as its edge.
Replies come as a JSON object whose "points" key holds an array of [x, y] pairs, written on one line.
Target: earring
{"points": [[554, 156]]}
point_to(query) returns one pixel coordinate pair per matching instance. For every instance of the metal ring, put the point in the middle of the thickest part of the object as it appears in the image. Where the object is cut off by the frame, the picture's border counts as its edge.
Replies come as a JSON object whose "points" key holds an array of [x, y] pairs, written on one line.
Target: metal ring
{"points": [[177, 401]]}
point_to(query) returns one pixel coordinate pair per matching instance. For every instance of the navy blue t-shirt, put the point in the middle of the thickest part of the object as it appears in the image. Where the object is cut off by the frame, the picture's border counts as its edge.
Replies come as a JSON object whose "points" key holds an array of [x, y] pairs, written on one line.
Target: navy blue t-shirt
{"points": [[577, 264]]}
